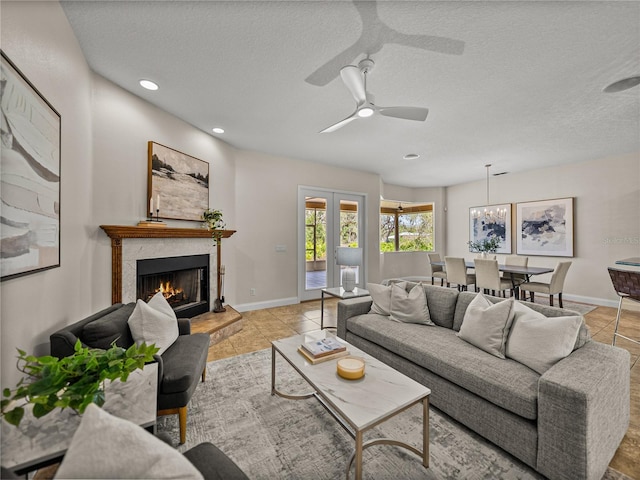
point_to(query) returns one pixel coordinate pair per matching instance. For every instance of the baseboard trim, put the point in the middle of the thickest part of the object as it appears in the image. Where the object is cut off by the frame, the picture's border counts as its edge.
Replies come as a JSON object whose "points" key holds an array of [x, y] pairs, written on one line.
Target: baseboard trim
{"points": [[281, 302]]}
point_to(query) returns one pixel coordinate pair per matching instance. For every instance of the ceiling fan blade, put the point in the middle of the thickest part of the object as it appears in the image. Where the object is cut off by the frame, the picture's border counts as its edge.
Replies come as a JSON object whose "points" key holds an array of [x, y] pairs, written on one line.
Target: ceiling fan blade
{"points": [[327, 72], [408, 113], [354, 80], [340, 124]]}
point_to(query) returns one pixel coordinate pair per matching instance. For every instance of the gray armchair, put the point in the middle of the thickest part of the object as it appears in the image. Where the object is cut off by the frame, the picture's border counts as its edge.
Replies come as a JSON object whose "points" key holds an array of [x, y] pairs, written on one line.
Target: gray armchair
{"points": [[179, 367]]}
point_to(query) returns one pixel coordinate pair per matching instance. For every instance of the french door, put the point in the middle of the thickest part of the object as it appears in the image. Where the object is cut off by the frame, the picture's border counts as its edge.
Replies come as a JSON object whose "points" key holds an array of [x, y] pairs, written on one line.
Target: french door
{"points": [[327, 219]]}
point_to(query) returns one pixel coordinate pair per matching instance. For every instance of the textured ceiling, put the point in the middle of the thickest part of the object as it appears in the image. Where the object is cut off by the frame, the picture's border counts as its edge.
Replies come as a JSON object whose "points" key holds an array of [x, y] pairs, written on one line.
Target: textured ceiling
{"points": [[525, 92]]}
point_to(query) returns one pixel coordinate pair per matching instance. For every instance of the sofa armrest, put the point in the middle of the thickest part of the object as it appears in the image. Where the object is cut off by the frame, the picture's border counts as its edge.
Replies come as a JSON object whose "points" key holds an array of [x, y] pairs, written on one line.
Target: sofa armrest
{"points": [[159, 361], [184, 326], [583, 411], [351, 308]]}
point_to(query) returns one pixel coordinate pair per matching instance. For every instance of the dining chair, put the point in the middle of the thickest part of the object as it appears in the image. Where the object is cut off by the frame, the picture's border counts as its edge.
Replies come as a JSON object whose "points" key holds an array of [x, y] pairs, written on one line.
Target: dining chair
{"points": [[437, 271], [516, 279], [555, 286], [457, 273], [488, 277], [627, 285]]}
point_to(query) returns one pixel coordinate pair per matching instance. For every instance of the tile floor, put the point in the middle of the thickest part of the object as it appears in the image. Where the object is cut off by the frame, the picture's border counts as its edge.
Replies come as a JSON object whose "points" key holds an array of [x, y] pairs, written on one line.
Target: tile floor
{"points": [[263, 326]]}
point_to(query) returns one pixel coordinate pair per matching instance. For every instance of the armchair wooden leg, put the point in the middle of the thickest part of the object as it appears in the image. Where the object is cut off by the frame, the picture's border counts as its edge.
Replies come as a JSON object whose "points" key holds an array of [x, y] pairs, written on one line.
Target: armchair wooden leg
{"points": [[182, 416], [204, 373]]}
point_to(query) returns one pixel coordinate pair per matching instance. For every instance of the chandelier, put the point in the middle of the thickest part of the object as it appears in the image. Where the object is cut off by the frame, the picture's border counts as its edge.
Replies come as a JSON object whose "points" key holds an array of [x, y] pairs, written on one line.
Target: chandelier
{"points": [[488, 213]]}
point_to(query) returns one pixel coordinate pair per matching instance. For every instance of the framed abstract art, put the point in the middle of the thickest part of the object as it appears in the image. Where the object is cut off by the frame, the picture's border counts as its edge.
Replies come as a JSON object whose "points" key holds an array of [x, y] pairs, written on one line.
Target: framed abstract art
{"points": [[545, 228], [30, 173]]}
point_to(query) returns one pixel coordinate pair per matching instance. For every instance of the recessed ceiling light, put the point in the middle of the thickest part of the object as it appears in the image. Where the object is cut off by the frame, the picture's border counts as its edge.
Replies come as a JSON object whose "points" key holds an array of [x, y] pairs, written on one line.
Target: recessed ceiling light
{"points": [[411, 156], [217, 130], [149, 85], [623, 84]]}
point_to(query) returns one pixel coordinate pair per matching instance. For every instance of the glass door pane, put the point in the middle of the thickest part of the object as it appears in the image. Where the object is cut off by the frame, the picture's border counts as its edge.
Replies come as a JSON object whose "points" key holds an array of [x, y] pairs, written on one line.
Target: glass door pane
{"points": [[315, 215], [349, 231]]}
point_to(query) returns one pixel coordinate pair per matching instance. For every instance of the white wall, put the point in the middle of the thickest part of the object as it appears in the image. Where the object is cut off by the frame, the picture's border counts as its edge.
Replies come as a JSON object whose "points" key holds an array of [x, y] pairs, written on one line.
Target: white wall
{"points": [[266, 205], [122, 125], [606, 223], [38, 39]]}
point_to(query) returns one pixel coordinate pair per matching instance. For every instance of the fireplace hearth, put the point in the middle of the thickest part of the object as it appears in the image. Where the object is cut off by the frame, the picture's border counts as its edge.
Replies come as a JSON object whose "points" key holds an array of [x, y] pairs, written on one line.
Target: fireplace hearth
{"points": [[183, 280]]}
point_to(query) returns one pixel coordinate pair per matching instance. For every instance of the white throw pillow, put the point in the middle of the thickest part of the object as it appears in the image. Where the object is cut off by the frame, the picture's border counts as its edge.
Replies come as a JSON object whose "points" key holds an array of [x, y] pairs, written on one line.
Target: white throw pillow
{"points": [[409, 307], [540, 342], [381, 295], [151, 325], [105, 446], [486, 325]]}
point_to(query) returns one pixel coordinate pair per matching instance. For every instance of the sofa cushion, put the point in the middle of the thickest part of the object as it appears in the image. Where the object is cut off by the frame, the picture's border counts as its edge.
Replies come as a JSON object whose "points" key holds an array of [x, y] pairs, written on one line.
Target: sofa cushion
{"points": [[112, 327], [540, 342], [505, 383], [183, 362], [381, 295], [154, 323], [465, 298], [486, 325], [442, 304], [409, 307], [105, 446]]}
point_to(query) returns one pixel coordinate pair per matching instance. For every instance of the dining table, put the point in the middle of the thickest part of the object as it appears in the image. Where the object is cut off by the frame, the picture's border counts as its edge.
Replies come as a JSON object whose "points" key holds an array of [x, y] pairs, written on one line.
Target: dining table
{"points": [[511, 270]]}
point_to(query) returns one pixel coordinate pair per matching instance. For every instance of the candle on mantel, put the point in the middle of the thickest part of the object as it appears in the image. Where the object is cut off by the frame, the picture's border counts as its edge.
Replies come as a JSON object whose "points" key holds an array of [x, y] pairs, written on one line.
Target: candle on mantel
{"points": [[151, 204], [158, 202]]}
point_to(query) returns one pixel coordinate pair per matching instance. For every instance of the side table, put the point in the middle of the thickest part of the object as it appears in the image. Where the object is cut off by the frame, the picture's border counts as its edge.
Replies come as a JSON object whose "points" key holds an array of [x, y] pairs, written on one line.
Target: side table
{"points": [[340, 293]]}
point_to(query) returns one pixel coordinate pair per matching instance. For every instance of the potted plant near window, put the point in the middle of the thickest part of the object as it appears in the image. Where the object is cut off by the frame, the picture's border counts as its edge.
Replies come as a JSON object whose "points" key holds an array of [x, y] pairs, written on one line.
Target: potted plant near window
{"points": [[70, 382], [485, 246]]}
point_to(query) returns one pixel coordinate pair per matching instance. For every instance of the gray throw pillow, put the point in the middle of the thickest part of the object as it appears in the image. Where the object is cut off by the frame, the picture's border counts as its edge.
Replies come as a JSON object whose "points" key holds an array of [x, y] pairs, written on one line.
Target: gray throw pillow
{"points": [[381, 295], [540, 342], [409, 307], [486, 325]]}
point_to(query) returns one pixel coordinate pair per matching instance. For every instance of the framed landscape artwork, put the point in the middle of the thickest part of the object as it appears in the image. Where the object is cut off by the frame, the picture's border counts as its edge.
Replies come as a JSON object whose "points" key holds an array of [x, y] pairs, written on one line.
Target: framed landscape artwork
{"points": [[545, 228], [490, 220], [30, 173], [178, 184]]}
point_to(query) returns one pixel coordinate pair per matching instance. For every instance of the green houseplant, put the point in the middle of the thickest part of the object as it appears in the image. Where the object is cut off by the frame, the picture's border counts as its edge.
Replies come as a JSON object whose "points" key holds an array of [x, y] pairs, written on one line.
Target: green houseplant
{"points": [[213, 221], [70, 382], [486, 245]]}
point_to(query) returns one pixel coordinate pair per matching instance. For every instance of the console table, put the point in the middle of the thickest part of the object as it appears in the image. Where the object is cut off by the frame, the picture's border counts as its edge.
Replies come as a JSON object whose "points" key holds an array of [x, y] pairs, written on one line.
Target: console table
{"points": [[38, 442]]}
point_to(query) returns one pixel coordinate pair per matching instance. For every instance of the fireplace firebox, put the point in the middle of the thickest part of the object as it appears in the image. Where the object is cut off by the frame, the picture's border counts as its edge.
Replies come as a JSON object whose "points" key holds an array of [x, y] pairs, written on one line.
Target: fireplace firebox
{"points": [[184, 282]]}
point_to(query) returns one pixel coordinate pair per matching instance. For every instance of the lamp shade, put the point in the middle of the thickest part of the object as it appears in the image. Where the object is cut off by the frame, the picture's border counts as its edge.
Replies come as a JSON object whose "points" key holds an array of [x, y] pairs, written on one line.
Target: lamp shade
{"points": [[348, 256]]}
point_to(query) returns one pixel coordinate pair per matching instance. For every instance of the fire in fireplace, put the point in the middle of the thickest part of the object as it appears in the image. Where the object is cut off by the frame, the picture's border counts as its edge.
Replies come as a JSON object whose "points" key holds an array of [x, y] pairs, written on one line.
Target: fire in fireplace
{"points": [[184, 282]]}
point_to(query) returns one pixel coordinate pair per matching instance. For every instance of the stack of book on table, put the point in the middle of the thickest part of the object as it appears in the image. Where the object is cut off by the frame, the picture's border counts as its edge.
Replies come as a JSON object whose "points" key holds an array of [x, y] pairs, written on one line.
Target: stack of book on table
{"points": [[322, 349]]}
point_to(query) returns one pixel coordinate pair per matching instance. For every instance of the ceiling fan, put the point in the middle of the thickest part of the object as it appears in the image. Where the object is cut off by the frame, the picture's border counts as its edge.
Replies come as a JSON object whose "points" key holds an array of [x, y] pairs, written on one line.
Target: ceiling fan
{"points": [[375, 34], [355, 78]]}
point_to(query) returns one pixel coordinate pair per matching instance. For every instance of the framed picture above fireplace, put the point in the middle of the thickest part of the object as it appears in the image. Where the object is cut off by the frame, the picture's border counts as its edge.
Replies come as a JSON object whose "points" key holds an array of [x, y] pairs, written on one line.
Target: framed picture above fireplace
{"points": [[30, 172], [177, 184]]}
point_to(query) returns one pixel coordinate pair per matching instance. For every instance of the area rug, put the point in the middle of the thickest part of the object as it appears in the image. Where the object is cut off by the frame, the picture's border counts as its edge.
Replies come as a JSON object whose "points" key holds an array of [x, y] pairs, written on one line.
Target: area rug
{"points": [[270, 437]]}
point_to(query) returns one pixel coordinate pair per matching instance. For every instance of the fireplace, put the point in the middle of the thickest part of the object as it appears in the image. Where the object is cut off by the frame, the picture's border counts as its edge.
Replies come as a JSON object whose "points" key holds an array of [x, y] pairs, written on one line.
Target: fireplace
{"points": [[184, 282]]}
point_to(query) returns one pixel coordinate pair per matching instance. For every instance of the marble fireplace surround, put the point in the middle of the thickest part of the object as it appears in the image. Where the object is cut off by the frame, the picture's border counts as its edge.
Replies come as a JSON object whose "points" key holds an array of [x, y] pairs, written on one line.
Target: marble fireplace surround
{"points": [[129, 244]]}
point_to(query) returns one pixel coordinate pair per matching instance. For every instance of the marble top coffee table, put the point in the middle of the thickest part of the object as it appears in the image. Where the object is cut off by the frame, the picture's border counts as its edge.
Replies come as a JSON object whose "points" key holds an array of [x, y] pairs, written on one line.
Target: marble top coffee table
{"points": [[357, 405]]}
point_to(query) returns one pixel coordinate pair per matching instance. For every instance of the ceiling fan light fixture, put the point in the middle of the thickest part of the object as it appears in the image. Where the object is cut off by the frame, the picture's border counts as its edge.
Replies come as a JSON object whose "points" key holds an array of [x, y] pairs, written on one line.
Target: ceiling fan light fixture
{"points": [[365, 112]]}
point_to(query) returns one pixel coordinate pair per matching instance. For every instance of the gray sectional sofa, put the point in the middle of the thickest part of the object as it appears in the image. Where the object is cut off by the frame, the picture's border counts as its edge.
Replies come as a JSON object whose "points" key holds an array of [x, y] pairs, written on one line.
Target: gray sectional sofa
{"points": [[566, 423]]}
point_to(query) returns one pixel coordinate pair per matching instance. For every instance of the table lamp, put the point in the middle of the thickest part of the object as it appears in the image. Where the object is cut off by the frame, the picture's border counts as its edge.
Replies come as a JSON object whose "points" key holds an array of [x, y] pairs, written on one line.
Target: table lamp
{"points": [[348, 257]]}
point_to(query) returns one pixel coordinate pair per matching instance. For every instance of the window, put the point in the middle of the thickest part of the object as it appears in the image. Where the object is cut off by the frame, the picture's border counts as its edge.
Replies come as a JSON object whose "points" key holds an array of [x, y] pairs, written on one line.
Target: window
{"points": [[406, 227]]}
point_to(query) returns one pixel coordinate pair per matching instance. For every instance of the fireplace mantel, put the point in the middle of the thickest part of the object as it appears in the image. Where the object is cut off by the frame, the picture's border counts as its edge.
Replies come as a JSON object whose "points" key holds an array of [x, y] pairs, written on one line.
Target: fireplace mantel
{"points": [[128, 231], [119, 232]]}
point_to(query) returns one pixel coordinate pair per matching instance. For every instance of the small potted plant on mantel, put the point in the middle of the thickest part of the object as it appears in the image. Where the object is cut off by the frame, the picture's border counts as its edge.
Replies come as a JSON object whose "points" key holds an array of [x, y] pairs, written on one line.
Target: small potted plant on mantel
{"points": [[213, 221], [485, 246], [70, 382]]}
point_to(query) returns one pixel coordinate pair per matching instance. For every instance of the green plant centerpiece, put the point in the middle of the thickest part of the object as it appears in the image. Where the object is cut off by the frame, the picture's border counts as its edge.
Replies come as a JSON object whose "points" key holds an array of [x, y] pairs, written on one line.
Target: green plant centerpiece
{"points": [[70, 382], [486, 245], [214, 222]]}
